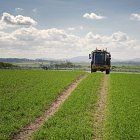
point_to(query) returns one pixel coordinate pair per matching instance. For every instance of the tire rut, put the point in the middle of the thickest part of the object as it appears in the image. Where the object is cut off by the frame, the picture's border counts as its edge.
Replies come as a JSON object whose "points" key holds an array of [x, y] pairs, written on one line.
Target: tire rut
{"points": [[26, 132], [101, 109]]}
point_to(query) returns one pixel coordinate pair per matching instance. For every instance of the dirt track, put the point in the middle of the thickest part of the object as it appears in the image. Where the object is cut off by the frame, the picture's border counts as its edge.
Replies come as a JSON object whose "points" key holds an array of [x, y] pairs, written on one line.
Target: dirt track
{"points": [[26, 132], [101, 109]]}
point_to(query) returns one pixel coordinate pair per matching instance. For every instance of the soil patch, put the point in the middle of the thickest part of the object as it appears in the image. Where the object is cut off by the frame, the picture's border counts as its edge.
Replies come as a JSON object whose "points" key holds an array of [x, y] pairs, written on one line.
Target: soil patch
{"points": [[101, 109]]}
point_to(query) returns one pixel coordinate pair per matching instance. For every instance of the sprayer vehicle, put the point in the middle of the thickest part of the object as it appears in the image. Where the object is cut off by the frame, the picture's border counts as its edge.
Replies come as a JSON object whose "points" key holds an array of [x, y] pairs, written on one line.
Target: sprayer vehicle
{"points": [[100, 61]]}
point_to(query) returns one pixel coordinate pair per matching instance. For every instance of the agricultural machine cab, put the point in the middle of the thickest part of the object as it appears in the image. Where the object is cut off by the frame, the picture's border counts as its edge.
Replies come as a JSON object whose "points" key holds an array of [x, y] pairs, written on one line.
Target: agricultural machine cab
{"points": [[100, 61]]}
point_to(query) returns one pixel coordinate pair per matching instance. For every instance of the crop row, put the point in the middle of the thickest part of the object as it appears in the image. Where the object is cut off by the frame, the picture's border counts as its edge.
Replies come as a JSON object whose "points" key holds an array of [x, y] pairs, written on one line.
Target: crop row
{"points": [[123, 109], [24, 95], [75, 118]]}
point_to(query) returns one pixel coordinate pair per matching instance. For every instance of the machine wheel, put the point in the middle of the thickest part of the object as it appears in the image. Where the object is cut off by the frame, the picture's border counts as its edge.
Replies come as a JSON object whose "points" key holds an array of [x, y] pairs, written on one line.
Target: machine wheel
{"points": [[107, 71], [93, 70]]}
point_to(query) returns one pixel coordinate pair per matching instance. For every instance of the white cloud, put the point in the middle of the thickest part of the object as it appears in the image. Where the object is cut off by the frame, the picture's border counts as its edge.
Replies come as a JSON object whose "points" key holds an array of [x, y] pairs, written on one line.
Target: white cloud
{"points": [[34, 43], [2, 25], [96, 38], [71, 28], [11, 20], [93, 16], [19, 9], [135, 16], [32, 38], [117, 42], [49, 43], [119, 37], [57, 43], [81, 27], [75, 28]]}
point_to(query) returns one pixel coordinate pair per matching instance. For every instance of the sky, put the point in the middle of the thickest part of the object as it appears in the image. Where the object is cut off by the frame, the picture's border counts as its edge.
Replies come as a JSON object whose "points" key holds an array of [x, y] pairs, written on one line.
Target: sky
{"points": [[65, 29]]}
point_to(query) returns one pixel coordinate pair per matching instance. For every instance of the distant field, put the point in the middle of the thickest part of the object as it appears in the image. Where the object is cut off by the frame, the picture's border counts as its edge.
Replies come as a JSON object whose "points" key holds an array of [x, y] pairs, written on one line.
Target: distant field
{"points": [[117, 67], [30, 64], [74, 120], [25, 94], [123, 113], [126, 68]]}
